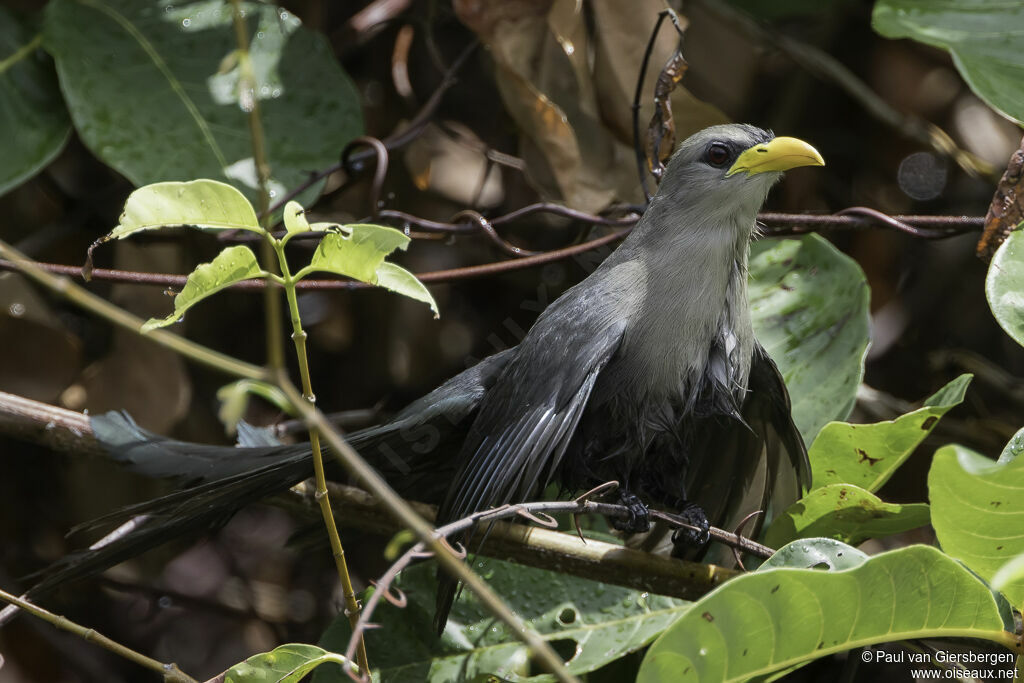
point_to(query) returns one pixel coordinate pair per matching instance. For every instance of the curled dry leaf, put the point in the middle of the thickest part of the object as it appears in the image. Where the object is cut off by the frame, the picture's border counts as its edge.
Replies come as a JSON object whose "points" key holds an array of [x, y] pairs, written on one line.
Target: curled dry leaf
{"points": [[661, 132]]}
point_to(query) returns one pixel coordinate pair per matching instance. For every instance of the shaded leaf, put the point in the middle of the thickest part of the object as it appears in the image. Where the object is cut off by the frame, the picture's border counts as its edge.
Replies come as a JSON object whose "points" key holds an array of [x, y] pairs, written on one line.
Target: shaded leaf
{"points": [[207, 204], [186, 118], [985, 38], [978, 511], [809, 304], [284, 664], [775, 620], [357, 250], [232, 265], [234, 400], [1004, 286], [590, 623], [1010, 577], [401, 281], [846, 513], [816, 553], [867, 455], [34, 122]]}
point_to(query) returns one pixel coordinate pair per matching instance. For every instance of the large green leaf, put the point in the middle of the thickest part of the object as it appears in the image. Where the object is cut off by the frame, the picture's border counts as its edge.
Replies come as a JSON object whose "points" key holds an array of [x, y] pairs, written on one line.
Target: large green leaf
{"points": [[985, 38], [34, 122], [845, 513], [775, 620], [1004, 285], [978, 511], [590, 623], [867, 455], [207, 204], [153, 90], [809, 303], [232, 265]]}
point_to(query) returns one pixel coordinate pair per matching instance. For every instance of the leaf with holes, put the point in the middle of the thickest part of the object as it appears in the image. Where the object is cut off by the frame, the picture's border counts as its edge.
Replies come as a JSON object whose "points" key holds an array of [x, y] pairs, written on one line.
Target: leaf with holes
{"points": [[978, 511], [186, 114], [588, 623], [766, 622], [284, 664], [206, 204], [846, 513], [867, 455], [232, 265], [1004, 286], [356, 251], [34, 122], [815, 553], [809, 304]]}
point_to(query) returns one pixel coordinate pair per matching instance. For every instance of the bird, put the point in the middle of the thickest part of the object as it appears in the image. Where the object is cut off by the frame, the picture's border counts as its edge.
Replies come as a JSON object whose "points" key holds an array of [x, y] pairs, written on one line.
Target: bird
{"points": [[647, 372]]}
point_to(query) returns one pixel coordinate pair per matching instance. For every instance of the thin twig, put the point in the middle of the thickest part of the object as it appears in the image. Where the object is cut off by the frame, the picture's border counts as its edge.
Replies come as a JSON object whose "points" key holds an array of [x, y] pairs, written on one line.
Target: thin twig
{"points": [[169, 671]]}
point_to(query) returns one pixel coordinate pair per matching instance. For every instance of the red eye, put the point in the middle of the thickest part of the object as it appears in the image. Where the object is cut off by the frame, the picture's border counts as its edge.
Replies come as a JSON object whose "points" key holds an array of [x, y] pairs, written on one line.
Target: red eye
{"points": [[717, 154]]}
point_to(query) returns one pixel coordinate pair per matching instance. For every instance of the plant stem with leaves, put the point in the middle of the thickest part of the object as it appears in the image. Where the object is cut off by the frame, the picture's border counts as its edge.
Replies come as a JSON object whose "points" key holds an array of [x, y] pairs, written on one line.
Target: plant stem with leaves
{"points": [[323, 500]]}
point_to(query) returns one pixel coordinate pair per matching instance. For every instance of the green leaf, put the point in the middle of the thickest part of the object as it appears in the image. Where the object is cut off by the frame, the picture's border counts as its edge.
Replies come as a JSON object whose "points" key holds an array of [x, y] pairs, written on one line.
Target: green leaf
{"points": [[356, 251], [985, 38], [34, 122], [234, 399], [1004, 286], [185, 115], [401, 281], [776, 620], [846, 513], [1010, 576], [815, 553], [232, 265], [978, 511], [809, 304], [284, 664], [589, 623], [867, 455], [207, 204], [1013, 448]]}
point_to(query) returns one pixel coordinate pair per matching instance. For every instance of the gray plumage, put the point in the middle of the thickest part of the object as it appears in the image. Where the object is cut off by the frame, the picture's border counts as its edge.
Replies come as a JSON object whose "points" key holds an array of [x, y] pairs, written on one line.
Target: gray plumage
{"points": [[646, 372]]}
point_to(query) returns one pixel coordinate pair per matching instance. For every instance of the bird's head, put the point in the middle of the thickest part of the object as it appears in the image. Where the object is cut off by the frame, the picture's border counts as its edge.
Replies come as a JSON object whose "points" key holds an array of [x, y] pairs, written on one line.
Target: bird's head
{"points": [[726, 171]]}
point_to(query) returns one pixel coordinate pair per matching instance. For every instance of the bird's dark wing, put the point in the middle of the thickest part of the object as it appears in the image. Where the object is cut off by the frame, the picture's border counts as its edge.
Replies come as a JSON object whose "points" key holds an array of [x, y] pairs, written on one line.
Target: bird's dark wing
{"points": [[767, 458], [526, 421], [415, 451]]}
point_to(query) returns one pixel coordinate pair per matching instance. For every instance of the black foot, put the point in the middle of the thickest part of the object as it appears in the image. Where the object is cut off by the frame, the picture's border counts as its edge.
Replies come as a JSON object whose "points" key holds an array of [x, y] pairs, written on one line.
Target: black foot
{"points": [[694, 515], [639, 519]]}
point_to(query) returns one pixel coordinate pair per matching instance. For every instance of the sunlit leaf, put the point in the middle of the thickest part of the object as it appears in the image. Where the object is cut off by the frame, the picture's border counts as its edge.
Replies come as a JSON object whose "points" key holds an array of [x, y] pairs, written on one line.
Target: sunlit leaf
{"points": [[1004, 286], [34, 122], [867, 454], [846, 513], [809, 304], [357, 250], [284, 664], [815, 553], [978, 511], [401, 281], [207, 204], [769, 621], [232, 265]]}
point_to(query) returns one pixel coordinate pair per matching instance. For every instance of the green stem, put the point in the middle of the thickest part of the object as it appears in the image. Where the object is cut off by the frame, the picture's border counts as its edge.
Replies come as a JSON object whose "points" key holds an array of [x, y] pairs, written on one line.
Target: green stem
{"points": [[170, 672], [83, 298], [323, 500], [401, 510], [250, 103]]}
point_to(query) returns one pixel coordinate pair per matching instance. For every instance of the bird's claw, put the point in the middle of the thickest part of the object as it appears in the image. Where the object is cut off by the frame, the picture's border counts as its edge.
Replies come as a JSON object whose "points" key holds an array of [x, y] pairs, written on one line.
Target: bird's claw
{"points": [[639, 519], [695, 516]]}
